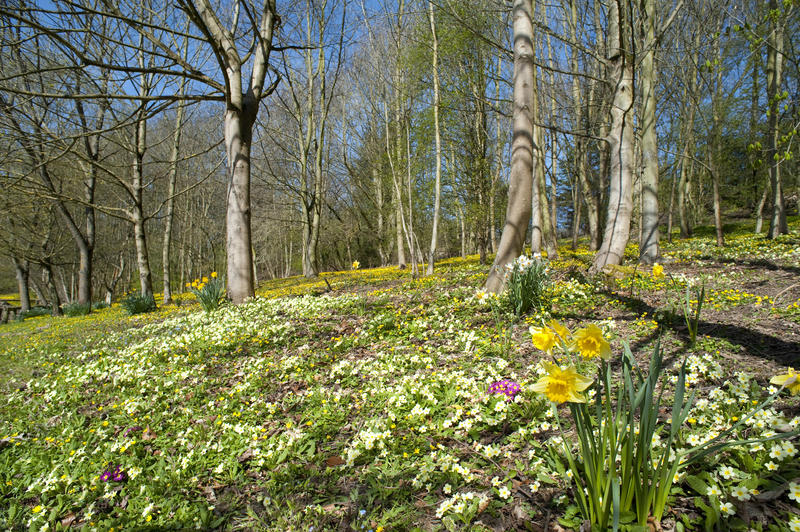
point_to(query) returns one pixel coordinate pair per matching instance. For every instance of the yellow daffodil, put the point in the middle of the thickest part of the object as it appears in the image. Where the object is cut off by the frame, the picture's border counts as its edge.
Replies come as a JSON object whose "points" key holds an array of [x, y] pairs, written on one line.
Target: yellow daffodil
{"points": [[789, 380], [543, 338], [658, 271], [590, 343], [213, 275], [562, 386], [188, 285], [356, 264], [559, 329], [205, 279]]}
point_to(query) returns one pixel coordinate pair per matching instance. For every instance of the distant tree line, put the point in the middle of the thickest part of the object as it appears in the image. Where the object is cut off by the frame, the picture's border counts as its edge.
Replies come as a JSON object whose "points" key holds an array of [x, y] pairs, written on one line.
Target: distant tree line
{"points": [[144, 144]]}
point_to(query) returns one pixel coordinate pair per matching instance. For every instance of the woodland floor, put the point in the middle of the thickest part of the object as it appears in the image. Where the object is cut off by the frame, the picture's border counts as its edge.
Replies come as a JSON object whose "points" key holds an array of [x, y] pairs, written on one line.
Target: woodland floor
{"points": [[360, 402]]}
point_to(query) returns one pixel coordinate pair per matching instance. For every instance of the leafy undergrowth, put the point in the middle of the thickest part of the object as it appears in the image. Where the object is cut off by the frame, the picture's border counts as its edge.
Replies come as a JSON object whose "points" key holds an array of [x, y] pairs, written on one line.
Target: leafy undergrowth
{"points": [[359, 400]]}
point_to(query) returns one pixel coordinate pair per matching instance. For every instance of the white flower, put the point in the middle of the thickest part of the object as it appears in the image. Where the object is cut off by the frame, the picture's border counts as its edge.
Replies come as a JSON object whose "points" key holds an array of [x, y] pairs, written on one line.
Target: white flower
{"points": [[794, 491], [712, 491], [727, 472], [504, 492], [447, 489], [789, 448], [727, 508], [741, 493]]}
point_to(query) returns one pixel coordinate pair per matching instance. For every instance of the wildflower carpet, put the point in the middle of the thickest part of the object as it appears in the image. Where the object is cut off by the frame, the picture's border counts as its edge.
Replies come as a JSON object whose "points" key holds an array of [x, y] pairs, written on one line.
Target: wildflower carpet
{"points": [[371, 400]]}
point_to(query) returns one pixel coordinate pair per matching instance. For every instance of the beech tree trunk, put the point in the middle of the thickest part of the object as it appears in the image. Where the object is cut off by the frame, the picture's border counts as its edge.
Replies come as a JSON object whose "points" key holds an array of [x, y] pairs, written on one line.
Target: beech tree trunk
{"points": [[22, 269], [685, 181], [715, 149], [136, 214], [777, 222], [584, 186], [620, 141], [238, 136], [518, 212], [50, 282], [648, 244]]}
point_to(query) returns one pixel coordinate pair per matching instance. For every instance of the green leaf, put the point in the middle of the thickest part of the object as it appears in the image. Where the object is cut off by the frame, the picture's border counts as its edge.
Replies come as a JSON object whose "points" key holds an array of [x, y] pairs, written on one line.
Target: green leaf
{"points": [[697, 484]]}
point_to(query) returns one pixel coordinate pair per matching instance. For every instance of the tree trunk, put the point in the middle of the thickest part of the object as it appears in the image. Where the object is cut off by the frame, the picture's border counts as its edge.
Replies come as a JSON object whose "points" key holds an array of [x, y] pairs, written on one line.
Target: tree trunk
{"points": [[499, 143], [537, 209], [715, 150], [588, 193], [238, 136], [39, 290], [547, 231], [50, 283], [671, 208], [410, 236], [685, 182], [777, 222], [760, 209], [576, 215], [620, 142], [648, 244], [438, 186], [377, 183], [518, 213], [170, 214], [166, 249], [22, 268]]}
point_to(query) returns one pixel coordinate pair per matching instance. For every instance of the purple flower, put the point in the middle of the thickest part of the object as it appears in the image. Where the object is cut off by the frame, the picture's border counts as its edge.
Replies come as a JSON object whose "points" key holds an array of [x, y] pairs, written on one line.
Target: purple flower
{"points": [[120, 475], [506, 387], [117, 474]]}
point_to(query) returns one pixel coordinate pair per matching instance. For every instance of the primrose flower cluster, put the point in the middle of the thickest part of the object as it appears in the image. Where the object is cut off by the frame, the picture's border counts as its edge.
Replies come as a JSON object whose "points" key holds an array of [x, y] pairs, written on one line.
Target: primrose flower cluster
{"points": [[117, 474], [505, 387]]}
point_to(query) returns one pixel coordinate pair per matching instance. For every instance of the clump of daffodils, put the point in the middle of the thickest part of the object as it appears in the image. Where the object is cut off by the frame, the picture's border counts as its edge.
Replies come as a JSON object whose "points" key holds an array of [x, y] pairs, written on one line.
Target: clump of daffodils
{"points": [[209, 292], [620, 445], [564, 384]]}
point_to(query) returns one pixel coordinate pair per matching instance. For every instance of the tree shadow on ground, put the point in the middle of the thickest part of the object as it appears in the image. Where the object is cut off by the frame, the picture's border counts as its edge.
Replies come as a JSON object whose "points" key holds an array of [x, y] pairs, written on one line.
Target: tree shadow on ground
{"points": [[754, 343], [757, 263]]}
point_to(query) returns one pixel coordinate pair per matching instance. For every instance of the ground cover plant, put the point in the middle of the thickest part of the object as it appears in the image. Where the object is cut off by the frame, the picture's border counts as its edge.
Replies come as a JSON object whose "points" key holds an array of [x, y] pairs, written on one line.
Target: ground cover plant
{"points": [[366, 399]]}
